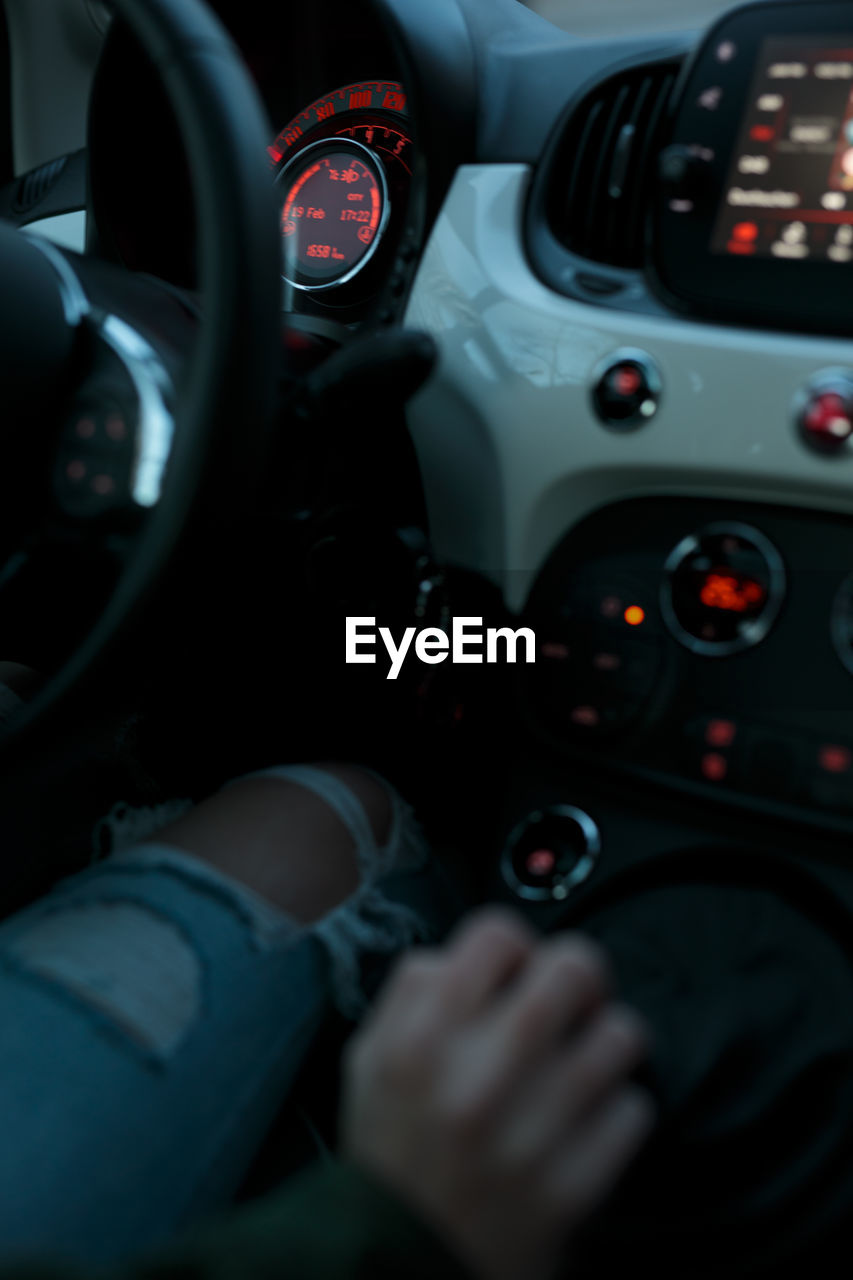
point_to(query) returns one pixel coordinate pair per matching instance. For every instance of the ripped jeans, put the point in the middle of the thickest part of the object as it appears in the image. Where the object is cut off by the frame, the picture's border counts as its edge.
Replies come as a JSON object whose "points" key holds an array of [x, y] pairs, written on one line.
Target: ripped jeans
{"points": [[153, 1014]]}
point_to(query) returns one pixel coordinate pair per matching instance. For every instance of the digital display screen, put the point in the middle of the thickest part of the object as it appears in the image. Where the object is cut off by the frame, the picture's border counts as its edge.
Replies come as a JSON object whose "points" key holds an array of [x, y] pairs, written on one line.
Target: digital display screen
{"points": [[789, 190], [331, 216], [733, 592]]}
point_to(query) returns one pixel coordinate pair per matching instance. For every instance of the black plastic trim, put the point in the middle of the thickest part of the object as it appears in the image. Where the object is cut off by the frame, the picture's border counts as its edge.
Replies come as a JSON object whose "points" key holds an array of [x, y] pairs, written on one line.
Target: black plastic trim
{"points": [[47, 191]]}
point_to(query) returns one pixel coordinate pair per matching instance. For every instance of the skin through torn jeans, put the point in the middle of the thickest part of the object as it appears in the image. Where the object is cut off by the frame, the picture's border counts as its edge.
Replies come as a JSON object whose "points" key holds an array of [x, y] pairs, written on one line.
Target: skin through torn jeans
{"points": [[153, 1013]]}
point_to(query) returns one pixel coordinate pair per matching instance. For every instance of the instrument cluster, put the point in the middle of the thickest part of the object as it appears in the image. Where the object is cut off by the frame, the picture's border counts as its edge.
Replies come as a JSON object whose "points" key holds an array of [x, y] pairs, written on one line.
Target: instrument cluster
{"points": [[343, 168]]}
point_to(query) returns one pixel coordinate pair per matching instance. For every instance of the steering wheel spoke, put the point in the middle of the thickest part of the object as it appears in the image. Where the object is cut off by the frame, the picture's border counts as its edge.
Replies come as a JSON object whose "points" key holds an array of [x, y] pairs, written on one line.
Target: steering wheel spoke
{"points": [[116, 436], [133, 423]]}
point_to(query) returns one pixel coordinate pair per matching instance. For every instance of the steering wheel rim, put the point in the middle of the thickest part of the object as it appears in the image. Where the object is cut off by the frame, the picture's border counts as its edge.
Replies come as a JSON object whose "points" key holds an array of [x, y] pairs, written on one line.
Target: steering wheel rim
{"points": [[227, 394]]}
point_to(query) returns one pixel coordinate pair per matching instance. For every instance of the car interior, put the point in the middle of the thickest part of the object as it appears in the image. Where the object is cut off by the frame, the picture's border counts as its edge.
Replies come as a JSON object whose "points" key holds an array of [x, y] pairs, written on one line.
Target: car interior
{"points": [[574, 357]]}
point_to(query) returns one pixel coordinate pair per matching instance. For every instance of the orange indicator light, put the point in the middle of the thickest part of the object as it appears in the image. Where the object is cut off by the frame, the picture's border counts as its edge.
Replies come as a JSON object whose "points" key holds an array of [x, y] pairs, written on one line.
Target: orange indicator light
{"points": [[634, 615]]}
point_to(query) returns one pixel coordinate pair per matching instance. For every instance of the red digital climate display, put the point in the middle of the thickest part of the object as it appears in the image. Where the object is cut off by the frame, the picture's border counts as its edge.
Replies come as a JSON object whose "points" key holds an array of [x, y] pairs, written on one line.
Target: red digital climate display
{"points": [[333, 213], [722, 589]]}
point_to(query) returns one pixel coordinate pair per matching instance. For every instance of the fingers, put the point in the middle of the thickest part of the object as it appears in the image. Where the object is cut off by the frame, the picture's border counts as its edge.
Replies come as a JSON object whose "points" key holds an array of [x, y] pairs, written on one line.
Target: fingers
{"points": [[561, 983], [575, 1081], [599, 1151], [491, 1087], [564, 983], [454, 985], [517, 995], [485, 953], [603, 1056]]}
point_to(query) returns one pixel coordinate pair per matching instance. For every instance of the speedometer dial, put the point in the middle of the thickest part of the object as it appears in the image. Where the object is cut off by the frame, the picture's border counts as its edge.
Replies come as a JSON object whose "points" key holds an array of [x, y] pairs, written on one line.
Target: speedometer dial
{"points": [[373, 112], [334, 212], [343, 166]]}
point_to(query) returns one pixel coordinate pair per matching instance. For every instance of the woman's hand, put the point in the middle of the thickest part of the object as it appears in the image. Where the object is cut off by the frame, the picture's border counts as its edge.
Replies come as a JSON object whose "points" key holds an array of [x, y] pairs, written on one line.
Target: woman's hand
{"points": [[489, 1088]]}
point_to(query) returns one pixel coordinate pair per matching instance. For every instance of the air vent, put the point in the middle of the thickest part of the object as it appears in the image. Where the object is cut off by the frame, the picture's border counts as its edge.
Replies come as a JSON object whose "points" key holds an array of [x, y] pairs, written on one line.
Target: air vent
{"points": [[602, 168]]}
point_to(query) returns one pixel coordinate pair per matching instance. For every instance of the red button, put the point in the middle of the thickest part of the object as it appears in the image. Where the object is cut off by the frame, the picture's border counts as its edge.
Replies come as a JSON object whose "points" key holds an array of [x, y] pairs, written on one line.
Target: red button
{"points": [[626, 380], [827, 422], [745, 231], [714, 767], [720, 733], [116, 427], [554, 650], [835, 759], [541, 862]]}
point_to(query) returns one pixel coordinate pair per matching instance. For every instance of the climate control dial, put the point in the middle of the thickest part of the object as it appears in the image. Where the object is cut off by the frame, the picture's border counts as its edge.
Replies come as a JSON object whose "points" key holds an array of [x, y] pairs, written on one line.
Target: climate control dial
{"points": [[723, 589]]}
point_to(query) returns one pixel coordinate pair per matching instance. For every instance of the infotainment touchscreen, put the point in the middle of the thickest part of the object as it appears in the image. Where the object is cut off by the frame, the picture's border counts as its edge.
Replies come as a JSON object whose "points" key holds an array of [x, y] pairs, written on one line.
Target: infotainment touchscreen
{"points": [[789, 190]]}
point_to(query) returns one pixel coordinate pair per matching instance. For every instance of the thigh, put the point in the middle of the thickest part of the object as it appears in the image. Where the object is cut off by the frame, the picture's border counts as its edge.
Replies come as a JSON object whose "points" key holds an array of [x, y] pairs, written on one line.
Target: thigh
{"points": [[153, 1016]]}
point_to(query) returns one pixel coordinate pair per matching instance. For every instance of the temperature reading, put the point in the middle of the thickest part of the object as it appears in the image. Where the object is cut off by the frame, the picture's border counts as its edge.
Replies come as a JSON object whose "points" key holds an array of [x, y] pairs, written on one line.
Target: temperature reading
{"points": [[727, 591]]}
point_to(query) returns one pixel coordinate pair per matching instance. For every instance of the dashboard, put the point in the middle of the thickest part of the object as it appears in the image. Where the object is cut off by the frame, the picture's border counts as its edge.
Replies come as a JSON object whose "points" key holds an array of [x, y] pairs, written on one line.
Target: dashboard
{"points": [[640, 429], [633, 256]]}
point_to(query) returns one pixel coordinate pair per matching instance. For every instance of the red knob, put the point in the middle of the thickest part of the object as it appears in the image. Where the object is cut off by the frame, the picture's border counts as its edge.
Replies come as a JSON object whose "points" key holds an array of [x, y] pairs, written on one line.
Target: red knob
{"points": [[827, 420]]}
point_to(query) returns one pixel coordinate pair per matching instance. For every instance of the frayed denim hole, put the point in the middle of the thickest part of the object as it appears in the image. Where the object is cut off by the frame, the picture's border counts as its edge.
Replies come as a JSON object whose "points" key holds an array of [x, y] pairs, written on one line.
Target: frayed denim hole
{"points": [[122, 960]]}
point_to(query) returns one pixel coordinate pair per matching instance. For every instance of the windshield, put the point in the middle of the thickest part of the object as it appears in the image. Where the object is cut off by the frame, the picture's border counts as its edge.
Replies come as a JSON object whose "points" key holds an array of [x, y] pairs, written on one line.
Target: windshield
{"points": [[614, 17]]}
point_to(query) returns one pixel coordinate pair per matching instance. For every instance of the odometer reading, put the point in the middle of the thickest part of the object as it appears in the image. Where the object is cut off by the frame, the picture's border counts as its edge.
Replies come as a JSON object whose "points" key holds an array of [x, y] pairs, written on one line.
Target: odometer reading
{"points": [[334, 211]]}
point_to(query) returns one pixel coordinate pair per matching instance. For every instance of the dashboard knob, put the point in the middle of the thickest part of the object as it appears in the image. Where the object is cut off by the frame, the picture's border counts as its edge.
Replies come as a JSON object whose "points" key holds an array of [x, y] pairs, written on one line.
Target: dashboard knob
{"points": [[551, 852], [627, 389], [723, 588], [825, 414]]}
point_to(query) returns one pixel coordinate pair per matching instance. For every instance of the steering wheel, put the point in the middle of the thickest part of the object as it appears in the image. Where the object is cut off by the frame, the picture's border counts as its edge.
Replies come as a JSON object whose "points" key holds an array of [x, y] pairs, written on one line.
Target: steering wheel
{"points": [[118, 442]]}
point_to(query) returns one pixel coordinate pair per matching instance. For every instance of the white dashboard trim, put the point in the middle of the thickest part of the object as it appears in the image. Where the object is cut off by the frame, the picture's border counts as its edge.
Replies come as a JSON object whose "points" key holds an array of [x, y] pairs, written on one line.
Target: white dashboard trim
{"points": [[511, 451]]}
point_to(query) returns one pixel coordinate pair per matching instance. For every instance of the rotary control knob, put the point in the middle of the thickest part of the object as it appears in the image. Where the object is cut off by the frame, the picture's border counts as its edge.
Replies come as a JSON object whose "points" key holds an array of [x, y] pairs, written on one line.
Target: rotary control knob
{"points": [[551, 852], [723, 588], [627, 389], [825, 412]]}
